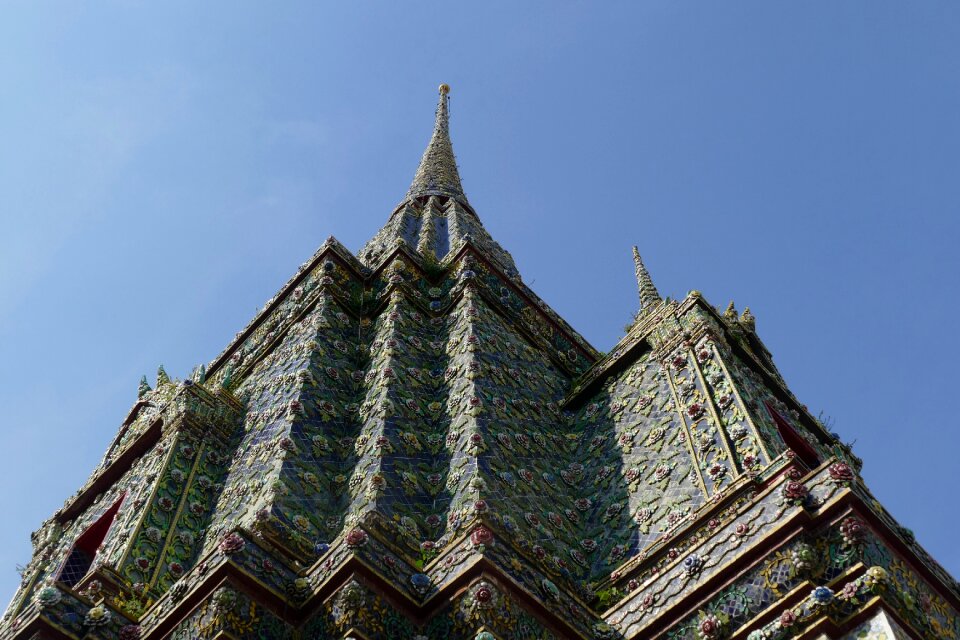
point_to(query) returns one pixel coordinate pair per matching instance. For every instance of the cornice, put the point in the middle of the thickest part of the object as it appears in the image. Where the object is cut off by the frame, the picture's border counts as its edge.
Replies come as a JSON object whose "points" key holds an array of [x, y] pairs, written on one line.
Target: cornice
{"points": [[221, 570]]}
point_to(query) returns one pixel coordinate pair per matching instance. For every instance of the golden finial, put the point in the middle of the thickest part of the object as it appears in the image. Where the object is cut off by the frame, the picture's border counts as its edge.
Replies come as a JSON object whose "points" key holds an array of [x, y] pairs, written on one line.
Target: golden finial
{"points": [[444, 89]]}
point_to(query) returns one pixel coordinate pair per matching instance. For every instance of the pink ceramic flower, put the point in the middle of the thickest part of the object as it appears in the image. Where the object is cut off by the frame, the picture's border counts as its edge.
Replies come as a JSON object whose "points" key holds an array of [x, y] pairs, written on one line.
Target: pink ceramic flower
{"points": [[481, 536], [356, 538], [232, 543]]}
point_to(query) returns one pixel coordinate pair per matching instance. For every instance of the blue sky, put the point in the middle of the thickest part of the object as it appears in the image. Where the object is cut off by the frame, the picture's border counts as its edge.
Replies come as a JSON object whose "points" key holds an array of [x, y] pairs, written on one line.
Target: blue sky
{"points": [[166, 168]]}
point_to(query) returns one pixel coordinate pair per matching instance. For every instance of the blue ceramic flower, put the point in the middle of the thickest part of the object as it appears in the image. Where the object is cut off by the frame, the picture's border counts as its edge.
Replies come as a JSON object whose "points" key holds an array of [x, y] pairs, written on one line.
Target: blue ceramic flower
{"points": [[692, 564], [822, 595], [420, 582]]}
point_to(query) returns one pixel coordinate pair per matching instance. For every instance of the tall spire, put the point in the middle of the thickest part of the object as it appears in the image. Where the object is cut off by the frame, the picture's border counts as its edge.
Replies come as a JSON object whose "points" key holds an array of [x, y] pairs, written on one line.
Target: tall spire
{"points": [[437, 174], [649, 295]]}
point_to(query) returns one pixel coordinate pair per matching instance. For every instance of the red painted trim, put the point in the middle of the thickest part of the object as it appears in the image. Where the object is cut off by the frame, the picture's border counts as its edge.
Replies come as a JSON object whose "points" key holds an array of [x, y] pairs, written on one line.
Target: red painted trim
{"points": [[807, 454]]}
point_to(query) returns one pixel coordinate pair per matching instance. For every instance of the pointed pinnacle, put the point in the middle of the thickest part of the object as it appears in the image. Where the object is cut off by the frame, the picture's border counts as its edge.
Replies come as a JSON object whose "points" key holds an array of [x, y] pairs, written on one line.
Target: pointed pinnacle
{"points": [[162, 377], [144, 388], [437, 174], [649, 295], [731, 312], [747, 319]]}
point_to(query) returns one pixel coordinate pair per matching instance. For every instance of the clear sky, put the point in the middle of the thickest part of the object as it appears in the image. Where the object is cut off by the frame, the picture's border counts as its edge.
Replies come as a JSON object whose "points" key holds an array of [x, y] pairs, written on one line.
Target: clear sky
{"points": [[165, 169]]}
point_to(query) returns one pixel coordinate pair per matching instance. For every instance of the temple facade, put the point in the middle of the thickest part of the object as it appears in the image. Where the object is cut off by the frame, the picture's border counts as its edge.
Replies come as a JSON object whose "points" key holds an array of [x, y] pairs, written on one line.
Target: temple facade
{"points": [[407, 443]]}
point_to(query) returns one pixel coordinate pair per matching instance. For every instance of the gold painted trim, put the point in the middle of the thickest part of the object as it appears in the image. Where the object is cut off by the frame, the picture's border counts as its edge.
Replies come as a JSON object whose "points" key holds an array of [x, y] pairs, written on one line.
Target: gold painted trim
{"points": [[743, 405], [176, 516], [708, 398], [686, 428], [153, 494]]}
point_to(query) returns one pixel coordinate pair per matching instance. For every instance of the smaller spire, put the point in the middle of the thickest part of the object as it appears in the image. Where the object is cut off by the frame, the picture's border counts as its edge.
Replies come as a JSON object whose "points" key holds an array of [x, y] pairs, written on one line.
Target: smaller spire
{"points": [[437, 174], [748, 320], [649, 296], [162, 377], [144, 387]]}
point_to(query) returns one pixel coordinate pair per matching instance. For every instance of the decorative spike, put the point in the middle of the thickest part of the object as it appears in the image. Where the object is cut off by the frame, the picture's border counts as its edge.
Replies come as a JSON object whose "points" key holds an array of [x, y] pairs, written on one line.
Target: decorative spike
{"points": [[748, 320], [162, 377], [649, 295], [731, 312], [144, 388], [437, 174], [200, 374]]}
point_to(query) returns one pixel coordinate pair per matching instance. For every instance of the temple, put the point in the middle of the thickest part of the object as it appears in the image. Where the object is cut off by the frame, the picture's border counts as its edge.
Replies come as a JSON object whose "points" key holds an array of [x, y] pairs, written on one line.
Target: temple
{"points": [[408, 443]]}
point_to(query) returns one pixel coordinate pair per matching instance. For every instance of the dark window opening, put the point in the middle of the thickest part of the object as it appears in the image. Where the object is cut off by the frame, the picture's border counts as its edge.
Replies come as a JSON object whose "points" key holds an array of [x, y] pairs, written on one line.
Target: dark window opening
{"points": [[77, 565], [806, 453], [84, 550]]}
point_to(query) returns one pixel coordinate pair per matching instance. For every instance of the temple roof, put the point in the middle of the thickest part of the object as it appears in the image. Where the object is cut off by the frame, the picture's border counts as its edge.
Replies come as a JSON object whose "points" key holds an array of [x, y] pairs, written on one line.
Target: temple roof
{"points": [[415, 440]]}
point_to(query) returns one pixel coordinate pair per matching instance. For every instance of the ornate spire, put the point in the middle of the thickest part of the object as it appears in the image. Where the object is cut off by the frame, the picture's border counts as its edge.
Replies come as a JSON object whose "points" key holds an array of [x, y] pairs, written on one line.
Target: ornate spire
{"points": [[437, 174], [649, 295]]}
